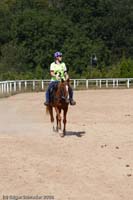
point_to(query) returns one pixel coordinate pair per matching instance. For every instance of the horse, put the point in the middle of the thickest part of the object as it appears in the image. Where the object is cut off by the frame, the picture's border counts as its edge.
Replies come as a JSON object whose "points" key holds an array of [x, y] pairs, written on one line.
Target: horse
{"points": [[60, 102]]}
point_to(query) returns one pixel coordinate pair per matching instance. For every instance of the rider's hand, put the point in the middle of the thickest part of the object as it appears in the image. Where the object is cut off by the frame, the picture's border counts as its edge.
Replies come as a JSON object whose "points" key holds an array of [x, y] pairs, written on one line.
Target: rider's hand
{"points": [[57, 77]]}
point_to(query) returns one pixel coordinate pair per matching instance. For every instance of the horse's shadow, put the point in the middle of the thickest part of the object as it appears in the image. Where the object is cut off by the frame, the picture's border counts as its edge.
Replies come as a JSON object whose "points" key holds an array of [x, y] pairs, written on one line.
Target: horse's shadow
{"points": [[75, 133]]}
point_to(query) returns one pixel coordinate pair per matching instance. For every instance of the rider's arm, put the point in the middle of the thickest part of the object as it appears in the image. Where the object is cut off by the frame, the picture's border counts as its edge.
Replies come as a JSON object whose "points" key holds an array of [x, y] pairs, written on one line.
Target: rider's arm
{"points": [[52, 73], [66, 75], [65, 72]]}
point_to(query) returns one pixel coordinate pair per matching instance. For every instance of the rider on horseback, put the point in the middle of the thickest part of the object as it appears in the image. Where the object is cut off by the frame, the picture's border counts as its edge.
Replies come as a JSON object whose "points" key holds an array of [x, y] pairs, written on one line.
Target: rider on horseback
{"points": [[58, 71]]}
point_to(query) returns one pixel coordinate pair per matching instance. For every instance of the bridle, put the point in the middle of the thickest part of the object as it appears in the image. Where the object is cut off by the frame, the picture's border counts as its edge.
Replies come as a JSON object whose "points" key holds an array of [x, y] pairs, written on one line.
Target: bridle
{"points": [[64, 91]]}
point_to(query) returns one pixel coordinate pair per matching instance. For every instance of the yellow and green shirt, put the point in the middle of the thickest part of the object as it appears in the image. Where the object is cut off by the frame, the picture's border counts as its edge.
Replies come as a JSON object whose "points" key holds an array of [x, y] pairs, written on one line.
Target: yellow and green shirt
{"points": [[58, 69]]}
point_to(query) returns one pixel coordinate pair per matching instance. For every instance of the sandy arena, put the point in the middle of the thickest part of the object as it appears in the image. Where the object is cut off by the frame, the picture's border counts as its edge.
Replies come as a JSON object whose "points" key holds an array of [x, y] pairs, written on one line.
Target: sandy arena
{"points": [[94, 161]]}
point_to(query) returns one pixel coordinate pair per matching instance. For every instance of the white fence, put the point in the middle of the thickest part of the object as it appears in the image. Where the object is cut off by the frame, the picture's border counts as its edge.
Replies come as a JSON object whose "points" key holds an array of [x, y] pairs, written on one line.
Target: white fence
{"points": [[12, 87]]}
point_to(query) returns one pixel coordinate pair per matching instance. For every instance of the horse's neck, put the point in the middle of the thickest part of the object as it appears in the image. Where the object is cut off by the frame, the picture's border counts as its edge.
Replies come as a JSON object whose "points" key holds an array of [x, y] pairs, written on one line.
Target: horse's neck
{"points": [[63, 86]]}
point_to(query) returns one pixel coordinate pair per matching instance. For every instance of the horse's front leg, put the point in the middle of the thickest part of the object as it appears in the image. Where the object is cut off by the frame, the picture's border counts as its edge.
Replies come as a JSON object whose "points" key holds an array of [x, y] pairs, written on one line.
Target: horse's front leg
{"points": [[58, 121], [59, 124], [64, 119]]}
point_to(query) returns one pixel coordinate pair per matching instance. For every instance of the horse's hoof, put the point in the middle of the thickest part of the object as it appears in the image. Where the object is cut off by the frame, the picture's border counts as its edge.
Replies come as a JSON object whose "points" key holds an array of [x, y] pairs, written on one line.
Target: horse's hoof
{"points": [[61, 133], [55, 129]]}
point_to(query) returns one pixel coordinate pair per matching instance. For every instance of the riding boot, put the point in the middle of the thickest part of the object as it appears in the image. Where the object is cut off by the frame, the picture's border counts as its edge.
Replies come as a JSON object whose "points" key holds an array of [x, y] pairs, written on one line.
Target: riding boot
{"points": [[72, 102], [46, 103], [67, 101]]}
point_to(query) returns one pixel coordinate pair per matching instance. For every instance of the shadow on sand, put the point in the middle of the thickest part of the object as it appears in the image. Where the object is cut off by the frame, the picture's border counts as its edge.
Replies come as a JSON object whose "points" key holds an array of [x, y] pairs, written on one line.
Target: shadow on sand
{"points": [[75, 133]]}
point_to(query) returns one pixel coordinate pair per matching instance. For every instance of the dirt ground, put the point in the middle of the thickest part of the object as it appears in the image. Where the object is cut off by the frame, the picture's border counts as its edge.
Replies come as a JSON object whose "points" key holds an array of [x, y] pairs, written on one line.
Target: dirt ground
{"points": [[94, 161]]}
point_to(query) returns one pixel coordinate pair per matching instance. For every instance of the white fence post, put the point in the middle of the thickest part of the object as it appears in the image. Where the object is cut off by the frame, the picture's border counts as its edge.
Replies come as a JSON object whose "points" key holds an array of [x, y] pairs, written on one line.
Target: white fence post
{"points": [[100, 83], [42, 85], [15, 86], [2, 88], [117, 83], [7, 88], [19, 85], [25, 85], [10, 87], [96, 83], [113, 83], [34, 84], [106, 83], [74, 84], [87, 83], [128, 83]]}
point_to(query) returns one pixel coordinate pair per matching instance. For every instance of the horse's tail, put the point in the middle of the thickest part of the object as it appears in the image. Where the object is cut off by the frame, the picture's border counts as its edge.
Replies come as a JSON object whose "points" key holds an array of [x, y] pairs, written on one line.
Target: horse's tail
{"points": [[47, 110]]}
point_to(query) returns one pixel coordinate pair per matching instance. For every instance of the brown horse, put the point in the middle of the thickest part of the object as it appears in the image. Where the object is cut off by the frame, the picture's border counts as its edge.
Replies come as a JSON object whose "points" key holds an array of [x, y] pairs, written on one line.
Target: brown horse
{"points": [[59, 100]]}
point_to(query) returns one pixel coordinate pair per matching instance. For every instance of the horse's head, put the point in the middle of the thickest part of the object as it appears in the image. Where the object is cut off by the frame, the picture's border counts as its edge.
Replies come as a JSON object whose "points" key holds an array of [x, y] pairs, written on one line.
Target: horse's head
{"points": [[63, 90]]}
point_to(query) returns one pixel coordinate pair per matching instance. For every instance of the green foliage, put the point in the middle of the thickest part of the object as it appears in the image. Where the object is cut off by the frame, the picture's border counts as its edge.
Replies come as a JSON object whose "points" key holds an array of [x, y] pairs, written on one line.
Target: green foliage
{"points": [[126, 68], [32, 30], [39, 72]]}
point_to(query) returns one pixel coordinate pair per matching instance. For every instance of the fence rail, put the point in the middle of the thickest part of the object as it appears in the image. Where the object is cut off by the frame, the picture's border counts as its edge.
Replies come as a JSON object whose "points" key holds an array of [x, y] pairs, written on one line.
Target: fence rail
{"points": [[18, 86]]}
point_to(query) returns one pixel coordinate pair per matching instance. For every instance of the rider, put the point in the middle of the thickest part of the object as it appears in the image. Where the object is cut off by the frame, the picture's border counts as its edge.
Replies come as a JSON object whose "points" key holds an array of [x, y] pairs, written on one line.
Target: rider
{"points": [[58, 71]]}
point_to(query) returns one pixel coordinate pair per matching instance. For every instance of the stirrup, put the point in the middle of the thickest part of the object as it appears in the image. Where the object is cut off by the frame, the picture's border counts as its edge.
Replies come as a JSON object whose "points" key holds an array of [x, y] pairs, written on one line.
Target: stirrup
{"points": [[67, 101], [46, 103], [72, 102]]}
